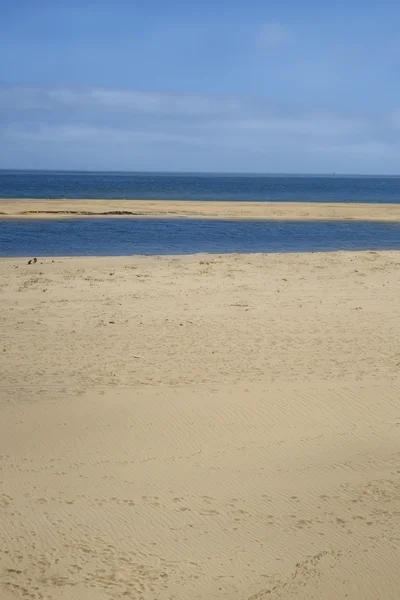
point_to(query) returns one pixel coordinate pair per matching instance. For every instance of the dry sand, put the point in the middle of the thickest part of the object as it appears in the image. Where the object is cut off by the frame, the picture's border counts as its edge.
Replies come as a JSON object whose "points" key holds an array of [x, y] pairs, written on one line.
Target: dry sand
{"points": [[31, 208], [200, 427]]}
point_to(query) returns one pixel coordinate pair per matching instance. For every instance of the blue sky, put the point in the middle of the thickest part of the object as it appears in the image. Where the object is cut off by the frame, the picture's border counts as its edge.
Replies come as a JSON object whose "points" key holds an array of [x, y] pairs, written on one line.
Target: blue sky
{"points": [[249, 86]]}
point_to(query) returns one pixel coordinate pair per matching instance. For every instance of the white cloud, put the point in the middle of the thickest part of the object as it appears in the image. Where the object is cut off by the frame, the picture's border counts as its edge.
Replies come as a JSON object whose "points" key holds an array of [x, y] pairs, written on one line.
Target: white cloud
{"points": [[164, 130], [14, 98], [87, 134], [132, 110], [272, 35], [139, 101]]}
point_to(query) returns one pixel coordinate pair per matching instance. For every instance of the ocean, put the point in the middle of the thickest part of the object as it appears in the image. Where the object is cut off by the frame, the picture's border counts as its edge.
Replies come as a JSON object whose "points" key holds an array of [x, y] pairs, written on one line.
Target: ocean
{"points": [[91, 237], [182, 186]]}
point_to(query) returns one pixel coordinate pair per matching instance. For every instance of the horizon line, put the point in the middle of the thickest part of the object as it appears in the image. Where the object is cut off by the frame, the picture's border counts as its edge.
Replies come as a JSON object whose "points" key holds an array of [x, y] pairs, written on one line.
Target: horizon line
{"points": [[209, 173]]}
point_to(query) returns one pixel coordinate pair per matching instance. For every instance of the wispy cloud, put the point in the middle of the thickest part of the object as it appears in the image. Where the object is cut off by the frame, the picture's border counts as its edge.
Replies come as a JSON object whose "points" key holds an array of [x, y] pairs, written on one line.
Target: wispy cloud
{"points": [[106, 128], [103, 106]]}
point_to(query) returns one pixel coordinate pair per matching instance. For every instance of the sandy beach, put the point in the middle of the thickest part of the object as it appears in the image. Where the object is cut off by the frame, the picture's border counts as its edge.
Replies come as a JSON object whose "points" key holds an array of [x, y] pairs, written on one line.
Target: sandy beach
{"points": [[49, 209], [201, 427]]}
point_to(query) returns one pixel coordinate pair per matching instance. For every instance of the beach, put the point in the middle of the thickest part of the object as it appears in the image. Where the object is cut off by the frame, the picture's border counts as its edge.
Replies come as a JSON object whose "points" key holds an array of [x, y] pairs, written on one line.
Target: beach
{"points": [[201, 426], [25, 208]]}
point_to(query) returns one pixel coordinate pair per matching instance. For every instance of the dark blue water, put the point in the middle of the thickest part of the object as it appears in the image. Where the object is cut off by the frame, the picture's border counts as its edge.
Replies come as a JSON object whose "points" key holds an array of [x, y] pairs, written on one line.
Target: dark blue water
{"points": [[186, 236], [51, 184]]}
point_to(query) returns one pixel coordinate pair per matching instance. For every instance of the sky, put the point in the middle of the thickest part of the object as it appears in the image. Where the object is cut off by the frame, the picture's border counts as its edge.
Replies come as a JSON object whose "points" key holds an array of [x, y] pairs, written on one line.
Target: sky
{"points": [[217, 85]]}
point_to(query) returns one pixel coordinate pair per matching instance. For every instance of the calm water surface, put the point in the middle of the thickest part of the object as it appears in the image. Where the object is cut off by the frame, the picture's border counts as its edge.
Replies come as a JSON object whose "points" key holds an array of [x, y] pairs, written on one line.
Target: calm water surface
{"points": [[102, 237], [170, 186]]}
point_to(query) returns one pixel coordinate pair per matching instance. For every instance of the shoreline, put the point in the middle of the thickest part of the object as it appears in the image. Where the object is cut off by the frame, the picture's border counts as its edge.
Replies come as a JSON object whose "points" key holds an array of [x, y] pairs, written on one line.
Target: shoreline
{"points": [[214, 257], [203, 257], [31, 208]]}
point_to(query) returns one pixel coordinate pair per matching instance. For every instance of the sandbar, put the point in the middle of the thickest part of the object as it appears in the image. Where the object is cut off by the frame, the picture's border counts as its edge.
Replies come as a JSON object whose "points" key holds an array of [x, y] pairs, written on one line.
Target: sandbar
{"points": [[46, 209]]}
